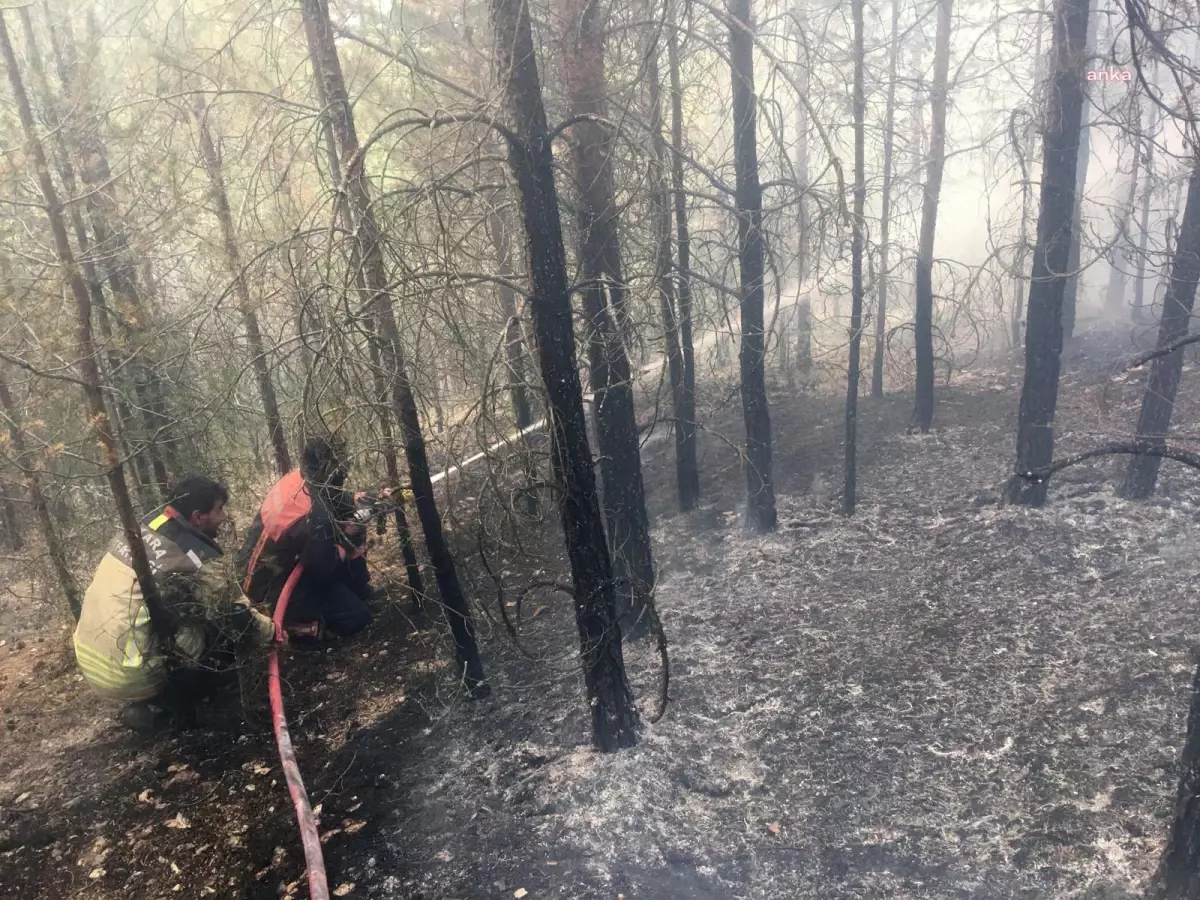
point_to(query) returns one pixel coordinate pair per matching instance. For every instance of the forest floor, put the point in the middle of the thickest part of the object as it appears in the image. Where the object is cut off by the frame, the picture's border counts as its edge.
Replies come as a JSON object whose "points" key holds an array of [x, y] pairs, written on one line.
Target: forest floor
{"points": [[940, 697]]}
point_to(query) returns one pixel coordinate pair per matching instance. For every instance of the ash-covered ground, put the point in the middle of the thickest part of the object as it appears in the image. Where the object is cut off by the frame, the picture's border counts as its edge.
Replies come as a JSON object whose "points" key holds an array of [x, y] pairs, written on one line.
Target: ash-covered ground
{"points": [[941, 697]]}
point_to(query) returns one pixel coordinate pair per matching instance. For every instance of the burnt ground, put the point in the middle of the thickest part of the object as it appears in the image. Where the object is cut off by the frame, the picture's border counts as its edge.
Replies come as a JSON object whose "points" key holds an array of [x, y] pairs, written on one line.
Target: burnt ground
{"points": [[941, 697]]}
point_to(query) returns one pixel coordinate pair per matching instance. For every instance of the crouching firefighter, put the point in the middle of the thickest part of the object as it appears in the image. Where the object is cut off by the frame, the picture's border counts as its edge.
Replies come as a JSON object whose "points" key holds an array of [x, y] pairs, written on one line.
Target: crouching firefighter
{"points": [[161, 668], [309, 519]]}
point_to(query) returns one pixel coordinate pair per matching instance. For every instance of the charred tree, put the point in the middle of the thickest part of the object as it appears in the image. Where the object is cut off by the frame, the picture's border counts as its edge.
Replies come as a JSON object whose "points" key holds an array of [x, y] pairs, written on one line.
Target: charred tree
{"points": [[850, 494], [1178, 874], [689, 475], [10, 526], [602, 296], [935, 162], [1043, 332], [89, 371], [1141, 309], [760, 501], [686, 470], [885, 214], [1071, 289], [614, 716], [41, 509], [369, 249], [1158, 401], [211, 160]]}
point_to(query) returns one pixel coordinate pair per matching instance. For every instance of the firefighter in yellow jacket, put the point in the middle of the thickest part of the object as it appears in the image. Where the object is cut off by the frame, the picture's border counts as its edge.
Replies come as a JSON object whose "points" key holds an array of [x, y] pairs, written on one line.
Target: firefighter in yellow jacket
{"points": [[161, 669]]}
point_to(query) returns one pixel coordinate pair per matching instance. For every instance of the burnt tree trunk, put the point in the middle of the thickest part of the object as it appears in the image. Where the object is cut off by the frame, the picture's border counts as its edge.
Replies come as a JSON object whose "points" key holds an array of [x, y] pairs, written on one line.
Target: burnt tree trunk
{"points": [[850, 494], [1178, 874], [10, 526], [935, 162], [689, 476], [610, 700], [1142, 311], [89, 371], [1043, 332], [328, 68], [41, 509], [889, 125], [602, 296], [760, 508], [1158, 402], [233, 258], [1071, 289], [686, 470]]}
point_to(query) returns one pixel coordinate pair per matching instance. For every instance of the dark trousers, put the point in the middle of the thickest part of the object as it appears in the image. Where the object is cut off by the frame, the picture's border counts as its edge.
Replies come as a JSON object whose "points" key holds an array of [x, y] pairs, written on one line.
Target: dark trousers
{"points": [[340, 602]]}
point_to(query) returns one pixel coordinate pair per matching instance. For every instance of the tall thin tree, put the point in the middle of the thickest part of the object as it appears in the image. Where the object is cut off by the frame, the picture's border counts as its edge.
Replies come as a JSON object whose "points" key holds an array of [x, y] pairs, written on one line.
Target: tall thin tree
{"points": [[935, 163], [760, 488], [1043, 333], [614, 716], [850, 494], [885, 212]]}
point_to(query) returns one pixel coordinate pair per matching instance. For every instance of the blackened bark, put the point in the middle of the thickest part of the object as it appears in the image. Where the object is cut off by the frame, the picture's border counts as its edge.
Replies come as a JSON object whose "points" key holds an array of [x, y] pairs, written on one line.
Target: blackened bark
{"points": [[1178, 875], [233, 258], [323, 52], [89, 370], [850, 494], [1158, 402], [602, 296], [686, 470], [1071, 289], [10, 525], [935, 162], [889, 125], [689, 476], [1043, 332], [760, 511], [614, 716]]}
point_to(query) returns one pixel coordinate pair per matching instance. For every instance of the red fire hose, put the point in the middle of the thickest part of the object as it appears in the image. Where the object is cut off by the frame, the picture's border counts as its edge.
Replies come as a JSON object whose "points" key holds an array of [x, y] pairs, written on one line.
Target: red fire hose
{"points": [[318, 887]]}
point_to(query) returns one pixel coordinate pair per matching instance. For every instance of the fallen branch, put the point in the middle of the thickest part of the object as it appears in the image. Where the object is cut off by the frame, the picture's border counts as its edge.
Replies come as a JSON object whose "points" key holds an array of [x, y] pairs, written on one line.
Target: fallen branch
{"points": [[1134, 448], [1138, 361]]}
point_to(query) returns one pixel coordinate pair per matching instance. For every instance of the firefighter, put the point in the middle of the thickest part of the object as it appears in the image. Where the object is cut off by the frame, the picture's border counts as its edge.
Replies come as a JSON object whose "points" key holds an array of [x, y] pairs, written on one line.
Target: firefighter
{"points": [[162, 662], [309, 518]]}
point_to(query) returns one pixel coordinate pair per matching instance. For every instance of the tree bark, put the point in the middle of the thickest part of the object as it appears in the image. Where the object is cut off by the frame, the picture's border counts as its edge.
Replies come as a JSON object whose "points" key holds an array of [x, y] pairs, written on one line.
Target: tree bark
{"points": [[89, 370], [935, 163], [110, 242], [123, 418], [850, 494], [1043, 332], [328, 68], [10, 525], [41, 509], [760, 502], [233, 258], [614, 716], [499, 225], [1158, 402], [686, 468], [602, 296], [1178, 874], [1142, 310], [889, 127], [689, 476], [1071, 289]]}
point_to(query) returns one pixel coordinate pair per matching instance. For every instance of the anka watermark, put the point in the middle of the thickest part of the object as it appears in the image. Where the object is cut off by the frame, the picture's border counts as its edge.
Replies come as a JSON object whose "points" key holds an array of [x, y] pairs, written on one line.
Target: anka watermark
{"points": [[1112, 73]]}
